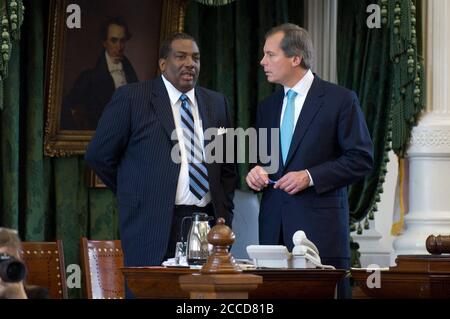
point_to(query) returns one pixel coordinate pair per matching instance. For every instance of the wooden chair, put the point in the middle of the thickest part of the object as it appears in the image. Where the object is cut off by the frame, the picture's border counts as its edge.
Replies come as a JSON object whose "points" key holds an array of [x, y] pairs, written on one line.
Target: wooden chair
{"points": [[45, 266], [101, 261]]}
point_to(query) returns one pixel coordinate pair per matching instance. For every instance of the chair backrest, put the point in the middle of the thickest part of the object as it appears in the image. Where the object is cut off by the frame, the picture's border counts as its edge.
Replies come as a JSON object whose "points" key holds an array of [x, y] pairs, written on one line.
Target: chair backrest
{"points": [[245, 223], [45, 266], [101, 262]]}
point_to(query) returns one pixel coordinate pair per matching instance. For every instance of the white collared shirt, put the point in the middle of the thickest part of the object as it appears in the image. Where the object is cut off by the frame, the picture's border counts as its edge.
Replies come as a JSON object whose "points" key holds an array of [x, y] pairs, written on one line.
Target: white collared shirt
{"points": [[301, 88], [184, 196], [116, 71]]}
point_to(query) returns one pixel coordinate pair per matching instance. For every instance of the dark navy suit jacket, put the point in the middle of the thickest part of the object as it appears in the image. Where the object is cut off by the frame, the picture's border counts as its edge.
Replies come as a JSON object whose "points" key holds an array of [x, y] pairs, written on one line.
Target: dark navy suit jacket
{"points": [[332, 141], [131, 153]]}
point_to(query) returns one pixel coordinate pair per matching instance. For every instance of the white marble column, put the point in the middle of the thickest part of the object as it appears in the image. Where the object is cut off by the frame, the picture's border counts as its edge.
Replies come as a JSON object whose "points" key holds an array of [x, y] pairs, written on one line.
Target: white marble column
{"points": [[321, 22], [429, 154]]}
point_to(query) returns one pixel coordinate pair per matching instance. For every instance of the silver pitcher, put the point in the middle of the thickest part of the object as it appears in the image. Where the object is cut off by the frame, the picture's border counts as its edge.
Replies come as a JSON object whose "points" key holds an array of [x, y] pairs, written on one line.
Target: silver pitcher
{"points": [[197, 248]]}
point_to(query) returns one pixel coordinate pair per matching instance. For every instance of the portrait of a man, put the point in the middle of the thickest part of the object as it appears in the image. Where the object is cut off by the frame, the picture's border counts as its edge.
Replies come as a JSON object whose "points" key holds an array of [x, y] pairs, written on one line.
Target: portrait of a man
{"points": [[92, 90], [115, 43]]}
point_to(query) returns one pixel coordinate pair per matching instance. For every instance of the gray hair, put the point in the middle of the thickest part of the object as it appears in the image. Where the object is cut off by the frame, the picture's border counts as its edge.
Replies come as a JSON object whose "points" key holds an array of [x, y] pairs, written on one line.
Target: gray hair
{"points": [[296, 42]]}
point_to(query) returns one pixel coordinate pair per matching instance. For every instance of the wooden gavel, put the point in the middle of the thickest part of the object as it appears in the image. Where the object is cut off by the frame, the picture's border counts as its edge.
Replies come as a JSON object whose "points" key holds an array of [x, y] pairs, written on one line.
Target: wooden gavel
{"points": [[437, 245]]}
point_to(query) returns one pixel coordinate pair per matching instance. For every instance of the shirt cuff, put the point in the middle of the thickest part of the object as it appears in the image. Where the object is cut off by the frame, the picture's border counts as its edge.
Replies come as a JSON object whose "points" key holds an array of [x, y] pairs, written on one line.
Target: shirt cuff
{"points": [[311, 182]]}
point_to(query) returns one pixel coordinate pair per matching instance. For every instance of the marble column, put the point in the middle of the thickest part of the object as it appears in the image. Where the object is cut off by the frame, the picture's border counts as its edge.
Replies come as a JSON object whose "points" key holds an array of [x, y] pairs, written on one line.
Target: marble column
{"points": [[429, 153]]}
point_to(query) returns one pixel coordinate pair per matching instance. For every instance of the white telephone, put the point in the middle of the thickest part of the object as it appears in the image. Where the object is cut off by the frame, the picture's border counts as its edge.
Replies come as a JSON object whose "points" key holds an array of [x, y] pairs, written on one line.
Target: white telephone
{"points": [[304, 254]]}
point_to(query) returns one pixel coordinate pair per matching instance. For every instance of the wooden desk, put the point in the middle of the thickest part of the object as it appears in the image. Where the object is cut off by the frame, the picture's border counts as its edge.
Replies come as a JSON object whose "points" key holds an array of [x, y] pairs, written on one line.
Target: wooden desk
{"points": [[161, 282], [415, 276]]}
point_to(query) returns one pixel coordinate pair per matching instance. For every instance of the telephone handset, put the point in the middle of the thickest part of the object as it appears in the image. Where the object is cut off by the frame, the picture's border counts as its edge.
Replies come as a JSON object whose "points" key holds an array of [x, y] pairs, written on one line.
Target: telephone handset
{"points": [[304, 248]]}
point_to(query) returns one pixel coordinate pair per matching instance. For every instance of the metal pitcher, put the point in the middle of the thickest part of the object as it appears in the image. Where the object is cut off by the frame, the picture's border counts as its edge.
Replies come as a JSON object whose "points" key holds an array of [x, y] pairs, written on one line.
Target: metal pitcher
{"points": [[197, 248]]}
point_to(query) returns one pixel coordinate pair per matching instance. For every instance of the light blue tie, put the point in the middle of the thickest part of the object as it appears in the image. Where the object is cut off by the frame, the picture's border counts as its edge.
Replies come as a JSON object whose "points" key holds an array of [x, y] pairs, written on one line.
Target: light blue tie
{"points": [[198, 174], [287, 125]]}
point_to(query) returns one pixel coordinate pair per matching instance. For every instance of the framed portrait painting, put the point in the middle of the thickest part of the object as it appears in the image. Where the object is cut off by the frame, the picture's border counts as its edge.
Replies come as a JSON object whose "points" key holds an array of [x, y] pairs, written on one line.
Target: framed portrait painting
{"points": [[94, 47]]}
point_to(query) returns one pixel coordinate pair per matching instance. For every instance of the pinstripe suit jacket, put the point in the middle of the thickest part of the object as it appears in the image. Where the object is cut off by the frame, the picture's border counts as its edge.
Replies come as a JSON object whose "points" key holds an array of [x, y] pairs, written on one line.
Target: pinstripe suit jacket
{"points": [[131, 153]]}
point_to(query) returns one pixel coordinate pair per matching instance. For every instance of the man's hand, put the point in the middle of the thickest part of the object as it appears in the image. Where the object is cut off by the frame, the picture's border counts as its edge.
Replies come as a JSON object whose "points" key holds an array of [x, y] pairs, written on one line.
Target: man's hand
{"points": [[14, 290], [293, 182], [257, 178]]}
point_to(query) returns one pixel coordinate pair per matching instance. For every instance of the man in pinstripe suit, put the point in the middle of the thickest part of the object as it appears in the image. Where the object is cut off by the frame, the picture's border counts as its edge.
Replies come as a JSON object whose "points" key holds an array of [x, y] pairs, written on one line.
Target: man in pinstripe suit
{"points": [[131, 153]]}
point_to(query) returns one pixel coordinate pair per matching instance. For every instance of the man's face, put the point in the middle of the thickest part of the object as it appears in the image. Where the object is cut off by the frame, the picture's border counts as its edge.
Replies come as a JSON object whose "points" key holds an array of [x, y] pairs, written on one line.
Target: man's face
{"points": [[182, 65], [277, 66], [115, 42]]}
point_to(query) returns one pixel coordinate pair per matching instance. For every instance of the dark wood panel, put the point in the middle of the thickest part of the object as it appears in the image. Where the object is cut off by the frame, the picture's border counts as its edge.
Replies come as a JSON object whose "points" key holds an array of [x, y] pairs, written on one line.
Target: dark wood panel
{"points": [[415, 276], [161, 282]]}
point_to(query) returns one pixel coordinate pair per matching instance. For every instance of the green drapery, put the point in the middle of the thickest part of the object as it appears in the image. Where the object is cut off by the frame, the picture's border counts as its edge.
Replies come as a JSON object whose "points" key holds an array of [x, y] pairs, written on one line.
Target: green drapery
{"points": [[363, 66], [11, 18], [401, 18], [231, 39], [44, 198], [371, 63]]}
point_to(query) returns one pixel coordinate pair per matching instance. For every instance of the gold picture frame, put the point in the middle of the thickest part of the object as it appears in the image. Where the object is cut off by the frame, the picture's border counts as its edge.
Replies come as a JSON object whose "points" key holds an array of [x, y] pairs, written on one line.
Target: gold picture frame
{"points": [[60, 140], [92, 179]]}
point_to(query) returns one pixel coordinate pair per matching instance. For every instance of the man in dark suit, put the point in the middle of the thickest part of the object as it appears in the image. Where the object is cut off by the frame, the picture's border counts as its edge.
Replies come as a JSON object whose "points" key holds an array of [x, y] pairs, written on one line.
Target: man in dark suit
{"points": [[93, 89], [132, 152], [324, 147]]}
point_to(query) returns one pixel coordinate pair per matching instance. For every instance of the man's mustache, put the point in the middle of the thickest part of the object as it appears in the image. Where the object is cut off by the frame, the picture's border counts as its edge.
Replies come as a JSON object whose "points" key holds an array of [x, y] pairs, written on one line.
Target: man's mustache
{"points": [[187, 72]]}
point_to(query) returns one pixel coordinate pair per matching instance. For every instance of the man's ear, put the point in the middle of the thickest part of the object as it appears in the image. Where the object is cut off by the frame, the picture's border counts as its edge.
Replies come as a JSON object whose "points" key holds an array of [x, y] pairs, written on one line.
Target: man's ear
{"points": [[297, 60], [162, 65]]}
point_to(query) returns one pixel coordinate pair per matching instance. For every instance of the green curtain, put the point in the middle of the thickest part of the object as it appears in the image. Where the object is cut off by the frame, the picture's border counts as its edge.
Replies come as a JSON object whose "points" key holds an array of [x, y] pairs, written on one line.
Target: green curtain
{"points": [[402, 19], [363, 66], [44, 198], [11, 18], [374, 63], [231, 39]]}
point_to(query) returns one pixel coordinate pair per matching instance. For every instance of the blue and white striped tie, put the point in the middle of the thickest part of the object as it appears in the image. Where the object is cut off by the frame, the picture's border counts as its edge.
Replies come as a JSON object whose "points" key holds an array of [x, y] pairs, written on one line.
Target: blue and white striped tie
{"points": [[198, 175]]}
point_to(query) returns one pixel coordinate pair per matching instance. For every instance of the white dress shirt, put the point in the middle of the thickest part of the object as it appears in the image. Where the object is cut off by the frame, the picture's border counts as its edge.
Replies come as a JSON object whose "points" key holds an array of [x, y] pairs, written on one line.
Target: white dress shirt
{"points": [[301, 88], [184, 195], [116, 71]]}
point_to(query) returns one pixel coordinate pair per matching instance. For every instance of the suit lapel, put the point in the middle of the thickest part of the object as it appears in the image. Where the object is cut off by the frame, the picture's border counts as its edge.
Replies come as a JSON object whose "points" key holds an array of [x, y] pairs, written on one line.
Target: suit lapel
{"points": [[276, 118], [162, 107], [205, 110], [206, 114], [312, 105]]}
